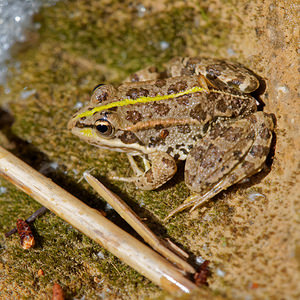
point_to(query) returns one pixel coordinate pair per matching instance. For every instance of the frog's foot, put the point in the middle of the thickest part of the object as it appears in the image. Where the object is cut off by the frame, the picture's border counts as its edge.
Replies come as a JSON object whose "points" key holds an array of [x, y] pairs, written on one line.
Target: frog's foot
{"points": [[190, 201], [137, 171], [195, 200], [159, 171], [226, 156]]}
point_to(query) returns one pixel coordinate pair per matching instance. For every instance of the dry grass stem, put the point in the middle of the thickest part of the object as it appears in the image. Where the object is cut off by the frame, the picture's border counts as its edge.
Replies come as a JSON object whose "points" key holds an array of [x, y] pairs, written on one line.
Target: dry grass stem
{"points": [[134, 221], [92, 223]]}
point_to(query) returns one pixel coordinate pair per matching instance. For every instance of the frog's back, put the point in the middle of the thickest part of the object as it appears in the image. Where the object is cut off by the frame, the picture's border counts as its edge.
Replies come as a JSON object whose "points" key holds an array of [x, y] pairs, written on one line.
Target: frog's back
{"points": [[179, 98], [163, 112]]}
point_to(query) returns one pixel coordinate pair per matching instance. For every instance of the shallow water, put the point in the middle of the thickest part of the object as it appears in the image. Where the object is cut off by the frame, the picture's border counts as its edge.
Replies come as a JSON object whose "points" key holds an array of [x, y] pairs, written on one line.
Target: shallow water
{"points": [[15, 18]]}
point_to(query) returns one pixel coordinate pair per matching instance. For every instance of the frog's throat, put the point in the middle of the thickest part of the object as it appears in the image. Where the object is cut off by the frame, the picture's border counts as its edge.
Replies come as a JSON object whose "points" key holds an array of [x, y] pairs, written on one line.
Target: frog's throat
{"points": [[138, 100]]}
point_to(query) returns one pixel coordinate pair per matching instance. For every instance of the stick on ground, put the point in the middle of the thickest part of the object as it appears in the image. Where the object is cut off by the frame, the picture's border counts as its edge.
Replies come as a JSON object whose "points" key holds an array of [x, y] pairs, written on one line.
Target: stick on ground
{"points": [[36, 214], [92, 223], [134, 221]]}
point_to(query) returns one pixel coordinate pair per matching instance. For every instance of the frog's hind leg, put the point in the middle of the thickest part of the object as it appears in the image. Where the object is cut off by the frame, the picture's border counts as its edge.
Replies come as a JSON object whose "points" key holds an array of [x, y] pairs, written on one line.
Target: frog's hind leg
{"points": [[218, 72], [225, 157]]}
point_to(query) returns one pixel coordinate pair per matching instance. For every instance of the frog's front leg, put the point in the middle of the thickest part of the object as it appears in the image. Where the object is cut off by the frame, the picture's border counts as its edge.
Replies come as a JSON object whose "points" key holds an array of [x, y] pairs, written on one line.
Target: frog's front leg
{"points": [[216, 71], [159, 168], [225, 156]]}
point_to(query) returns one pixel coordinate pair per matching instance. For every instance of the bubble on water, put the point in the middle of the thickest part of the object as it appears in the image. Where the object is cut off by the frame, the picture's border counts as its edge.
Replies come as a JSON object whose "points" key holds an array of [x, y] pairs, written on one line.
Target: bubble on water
{"points": [[108, 207], [3, 190], [255, 196], [200, 260], [100, 255], [78, 105], [220, 272], [283, 89], [48, 167], [141, 10], [75, 171], [164, 45], [231, 52], [27, 93], [7, 90]]}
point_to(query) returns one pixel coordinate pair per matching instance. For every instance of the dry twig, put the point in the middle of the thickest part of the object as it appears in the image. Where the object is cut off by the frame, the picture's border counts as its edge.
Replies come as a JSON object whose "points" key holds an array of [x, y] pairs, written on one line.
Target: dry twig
{"points": [[131, 218], [36, 214], [94, 225]]}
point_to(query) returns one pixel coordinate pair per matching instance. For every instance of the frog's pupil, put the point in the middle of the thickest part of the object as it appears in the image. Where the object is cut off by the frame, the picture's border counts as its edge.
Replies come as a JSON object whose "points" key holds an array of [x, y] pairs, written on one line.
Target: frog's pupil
{"points": [[102, 128]]}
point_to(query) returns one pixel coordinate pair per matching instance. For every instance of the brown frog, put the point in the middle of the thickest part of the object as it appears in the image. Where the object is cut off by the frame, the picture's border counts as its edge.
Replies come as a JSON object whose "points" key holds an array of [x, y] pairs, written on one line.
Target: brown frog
{"points": [[198, 110]]}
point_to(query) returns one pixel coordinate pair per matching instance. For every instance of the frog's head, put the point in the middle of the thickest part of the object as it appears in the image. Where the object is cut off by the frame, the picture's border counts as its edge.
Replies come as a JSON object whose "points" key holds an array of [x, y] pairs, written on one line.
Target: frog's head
{"points": [[100, 124]]}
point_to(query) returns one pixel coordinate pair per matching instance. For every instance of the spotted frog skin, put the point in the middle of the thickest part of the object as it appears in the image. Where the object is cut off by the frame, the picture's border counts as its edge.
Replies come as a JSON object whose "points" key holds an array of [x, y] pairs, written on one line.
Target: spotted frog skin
{"points": [[198, 109]]}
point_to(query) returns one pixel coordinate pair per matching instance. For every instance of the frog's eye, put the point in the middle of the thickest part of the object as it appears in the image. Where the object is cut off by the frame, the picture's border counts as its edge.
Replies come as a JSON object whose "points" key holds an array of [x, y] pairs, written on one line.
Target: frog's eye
{"points": [[104, 127], [97, 86]]}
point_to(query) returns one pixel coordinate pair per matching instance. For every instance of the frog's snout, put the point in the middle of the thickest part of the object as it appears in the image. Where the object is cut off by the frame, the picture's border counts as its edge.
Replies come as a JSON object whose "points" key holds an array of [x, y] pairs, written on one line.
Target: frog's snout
{"points": [[72, 122]]}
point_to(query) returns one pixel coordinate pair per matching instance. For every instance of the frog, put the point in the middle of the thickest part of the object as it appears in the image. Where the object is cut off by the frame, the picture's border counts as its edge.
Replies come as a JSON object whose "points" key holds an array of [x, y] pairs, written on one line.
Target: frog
{"points": [[197, 109]]}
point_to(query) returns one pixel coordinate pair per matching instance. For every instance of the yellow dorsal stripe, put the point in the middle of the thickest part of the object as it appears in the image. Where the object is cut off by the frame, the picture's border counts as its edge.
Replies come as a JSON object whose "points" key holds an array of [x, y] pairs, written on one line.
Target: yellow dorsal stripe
{"points": [[138, 100]]}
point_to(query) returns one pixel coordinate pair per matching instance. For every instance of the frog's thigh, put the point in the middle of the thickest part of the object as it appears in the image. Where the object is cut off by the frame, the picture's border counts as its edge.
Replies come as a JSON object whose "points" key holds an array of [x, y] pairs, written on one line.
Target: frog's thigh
{"points": [[163, 168], [230, 73], [229, 154], [254, 161]]}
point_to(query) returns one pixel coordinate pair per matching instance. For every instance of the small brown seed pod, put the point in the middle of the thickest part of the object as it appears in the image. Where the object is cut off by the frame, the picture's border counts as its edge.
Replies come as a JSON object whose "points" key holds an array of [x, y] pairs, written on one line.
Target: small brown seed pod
{"points": [[57, 292], [25, 233]]}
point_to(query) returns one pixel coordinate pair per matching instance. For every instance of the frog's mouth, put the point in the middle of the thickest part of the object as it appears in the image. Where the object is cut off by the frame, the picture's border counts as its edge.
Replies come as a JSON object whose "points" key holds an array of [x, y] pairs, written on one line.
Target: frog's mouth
{"points": [[91, 137], [72, 123]]}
